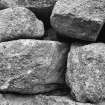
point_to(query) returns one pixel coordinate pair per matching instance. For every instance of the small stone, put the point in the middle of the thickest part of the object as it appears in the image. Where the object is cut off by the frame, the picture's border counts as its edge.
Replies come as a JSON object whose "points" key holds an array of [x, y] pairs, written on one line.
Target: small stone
{"points": [[19, 22], [81, 19], [51, 34], [86, 72], [32, 66], [38, 100]]}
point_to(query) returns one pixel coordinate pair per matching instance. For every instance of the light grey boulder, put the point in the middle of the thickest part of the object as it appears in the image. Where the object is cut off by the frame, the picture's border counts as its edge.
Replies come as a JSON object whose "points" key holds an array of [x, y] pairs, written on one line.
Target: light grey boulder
{"points": [[38, 100], [32, 66], [86, 72], [81, 19], [42, 8], [19, 22]]}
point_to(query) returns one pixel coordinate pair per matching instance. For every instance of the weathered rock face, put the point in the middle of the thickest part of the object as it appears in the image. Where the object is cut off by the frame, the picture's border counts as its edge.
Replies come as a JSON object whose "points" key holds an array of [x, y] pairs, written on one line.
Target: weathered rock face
{"points": [[55, 100], [42, 8], [27, 3], [31, 66], [38, 100], [102, 103], [19, 22], [81, 19], [86, 72], [8, 99]]}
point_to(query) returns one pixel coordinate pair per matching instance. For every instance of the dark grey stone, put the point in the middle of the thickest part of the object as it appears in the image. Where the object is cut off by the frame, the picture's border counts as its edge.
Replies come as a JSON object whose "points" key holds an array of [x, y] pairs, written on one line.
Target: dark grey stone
{"points": [[81, 19], [51, 34], [27, 3]]}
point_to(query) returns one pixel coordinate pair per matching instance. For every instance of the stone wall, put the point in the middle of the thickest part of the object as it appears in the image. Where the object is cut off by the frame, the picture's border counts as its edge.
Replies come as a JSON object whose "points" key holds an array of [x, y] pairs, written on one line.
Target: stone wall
{"points": [[52, 52]]}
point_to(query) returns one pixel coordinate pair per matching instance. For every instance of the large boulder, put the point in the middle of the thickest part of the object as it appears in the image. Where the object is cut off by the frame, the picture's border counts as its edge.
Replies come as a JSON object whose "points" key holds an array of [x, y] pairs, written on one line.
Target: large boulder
{"points": [[32, 66], [42, 8], [19, 22], [86, 72], [81, 19], [37, 100]]}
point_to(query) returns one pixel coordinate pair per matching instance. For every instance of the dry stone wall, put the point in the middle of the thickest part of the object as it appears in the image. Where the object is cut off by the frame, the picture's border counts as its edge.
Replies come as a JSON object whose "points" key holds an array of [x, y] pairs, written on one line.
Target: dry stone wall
{"points": [[52, 52]]}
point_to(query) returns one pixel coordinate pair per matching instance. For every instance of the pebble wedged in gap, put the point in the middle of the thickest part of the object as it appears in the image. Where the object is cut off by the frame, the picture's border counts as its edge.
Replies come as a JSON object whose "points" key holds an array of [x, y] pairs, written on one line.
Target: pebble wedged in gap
{"points": [[32, 66], [81, 19], [37, 100], [51, 34], [19, 22], [86, 72]]}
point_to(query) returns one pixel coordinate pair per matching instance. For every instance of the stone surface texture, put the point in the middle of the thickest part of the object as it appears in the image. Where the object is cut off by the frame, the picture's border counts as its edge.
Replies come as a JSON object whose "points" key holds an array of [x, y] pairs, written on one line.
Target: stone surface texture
{"points": [[81, 19], [41, 8], [38, 100], [47, 54], [27, 3], [32, 66], [9, 99], [19, 22], [86, 72]]}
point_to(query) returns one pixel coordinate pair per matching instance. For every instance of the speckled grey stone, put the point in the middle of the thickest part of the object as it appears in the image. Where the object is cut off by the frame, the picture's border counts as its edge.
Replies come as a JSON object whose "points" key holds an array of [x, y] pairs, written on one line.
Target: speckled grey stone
{"points": [[81, 19], [27, 3], [42, 8], [38, 100], [32, 66], [86, 72], [56, 100], [8, 99], [19, 22]]}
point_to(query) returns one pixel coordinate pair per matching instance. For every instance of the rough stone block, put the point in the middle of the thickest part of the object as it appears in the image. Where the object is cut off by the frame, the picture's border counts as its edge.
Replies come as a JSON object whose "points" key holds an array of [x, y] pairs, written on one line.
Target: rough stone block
{"points": [[27, 3], [86, 72], [32, 66], [19, 22], [42, 8], [81, 19], [38, 100]]}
